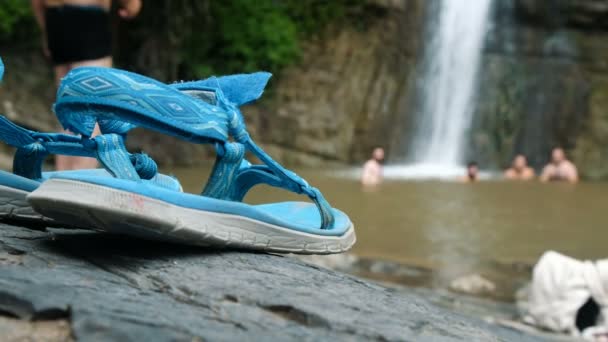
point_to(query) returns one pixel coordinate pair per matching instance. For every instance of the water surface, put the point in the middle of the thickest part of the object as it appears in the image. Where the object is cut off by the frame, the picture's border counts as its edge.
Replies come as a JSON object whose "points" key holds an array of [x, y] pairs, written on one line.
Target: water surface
{"points": [[456, 228]]}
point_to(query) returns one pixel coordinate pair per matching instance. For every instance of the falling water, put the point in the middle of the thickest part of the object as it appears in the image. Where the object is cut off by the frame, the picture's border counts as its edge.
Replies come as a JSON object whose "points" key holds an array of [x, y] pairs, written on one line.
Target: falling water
{"points": [[451, 64]]}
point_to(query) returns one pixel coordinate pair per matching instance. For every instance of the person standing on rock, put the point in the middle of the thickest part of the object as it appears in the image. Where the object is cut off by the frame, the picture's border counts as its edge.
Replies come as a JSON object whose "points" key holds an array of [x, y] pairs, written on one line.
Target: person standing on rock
{"points": [[519, 169], [560, 168], [77, 33], [372, 169]]}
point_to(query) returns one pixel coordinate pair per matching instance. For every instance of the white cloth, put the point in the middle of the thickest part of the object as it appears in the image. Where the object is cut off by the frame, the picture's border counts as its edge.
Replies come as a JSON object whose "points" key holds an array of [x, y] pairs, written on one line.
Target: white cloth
{"points": [[560, 286]]}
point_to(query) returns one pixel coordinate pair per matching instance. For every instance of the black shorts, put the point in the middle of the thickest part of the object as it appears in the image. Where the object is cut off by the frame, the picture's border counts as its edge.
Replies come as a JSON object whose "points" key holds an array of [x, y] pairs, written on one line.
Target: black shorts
{"points": [[77, 33]]}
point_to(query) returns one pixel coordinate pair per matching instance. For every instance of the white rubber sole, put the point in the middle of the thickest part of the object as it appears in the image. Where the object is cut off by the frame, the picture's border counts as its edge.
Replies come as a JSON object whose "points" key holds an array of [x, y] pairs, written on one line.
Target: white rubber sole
{"points": [[123, 212], [13, 205]]}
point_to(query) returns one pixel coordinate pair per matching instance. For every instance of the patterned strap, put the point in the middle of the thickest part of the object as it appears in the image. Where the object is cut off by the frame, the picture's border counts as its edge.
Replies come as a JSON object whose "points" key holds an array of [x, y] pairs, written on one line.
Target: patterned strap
{"points": [[225, 170], [89, 94], [33, 148], [239, 89], [243, 89], [113, 155]]}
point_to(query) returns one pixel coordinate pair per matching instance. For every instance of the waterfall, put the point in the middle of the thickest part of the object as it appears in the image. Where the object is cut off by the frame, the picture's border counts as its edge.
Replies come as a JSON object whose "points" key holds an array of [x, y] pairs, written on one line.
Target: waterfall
{"points": [[446, 97]]}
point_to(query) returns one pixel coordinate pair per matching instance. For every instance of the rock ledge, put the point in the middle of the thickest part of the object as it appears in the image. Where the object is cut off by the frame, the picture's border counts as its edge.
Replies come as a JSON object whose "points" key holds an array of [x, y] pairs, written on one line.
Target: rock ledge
{"points": [[114, 288]]}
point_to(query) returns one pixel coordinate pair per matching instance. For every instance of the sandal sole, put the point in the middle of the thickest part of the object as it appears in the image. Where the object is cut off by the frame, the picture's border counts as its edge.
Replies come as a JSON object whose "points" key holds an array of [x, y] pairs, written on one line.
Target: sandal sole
{"points": [[122, 212]]}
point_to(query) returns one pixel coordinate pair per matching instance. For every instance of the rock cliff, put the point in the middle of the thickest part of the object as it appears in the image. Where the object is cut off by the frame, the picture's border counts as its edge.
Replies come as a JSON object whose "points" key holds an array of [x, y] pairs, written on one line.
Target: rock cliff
{"points": [[350, 89], [544, 83]]}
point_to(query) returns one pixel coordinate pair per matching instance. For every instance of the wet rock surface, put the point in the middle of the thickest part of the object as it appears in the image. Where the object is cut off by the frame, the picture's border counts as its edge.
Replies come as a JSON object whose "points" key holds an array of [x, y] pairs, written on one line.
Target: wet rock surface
{"points": [[114, 288]]}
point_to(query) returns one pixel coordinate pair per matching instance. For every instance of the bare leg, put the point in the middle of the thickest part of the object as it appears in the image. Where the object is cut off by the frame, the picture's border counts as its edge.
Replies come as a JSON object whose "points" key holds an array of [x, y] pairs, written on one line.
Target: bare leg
{"points": [[74, 163], [62, 162], [102, 62]]}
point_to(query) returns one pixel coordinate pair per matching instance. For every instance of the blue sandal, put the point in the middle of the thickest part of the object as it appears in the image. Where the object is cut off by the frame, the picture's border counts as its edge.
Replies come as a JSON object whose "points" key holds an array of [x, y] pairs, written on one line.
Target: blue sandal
{"points": [[34, 147], [200, 112]]}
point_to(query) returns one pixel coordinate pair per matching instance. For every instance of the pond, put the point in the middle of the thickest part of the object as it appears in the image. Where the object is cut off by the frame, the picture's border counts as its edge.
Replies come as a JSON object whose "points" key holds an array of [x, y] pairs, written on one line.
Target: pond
{"points": [[454, 228]]}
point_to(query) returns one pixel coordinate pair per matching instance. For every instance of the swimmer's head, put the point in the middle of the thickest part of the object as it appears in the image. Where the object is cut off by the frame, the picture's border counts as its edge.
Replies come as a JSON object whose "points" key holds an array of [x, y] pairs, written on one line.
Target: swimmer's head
{"points": [[520, 162], [558, 155], [378, 154], [472, 170]]}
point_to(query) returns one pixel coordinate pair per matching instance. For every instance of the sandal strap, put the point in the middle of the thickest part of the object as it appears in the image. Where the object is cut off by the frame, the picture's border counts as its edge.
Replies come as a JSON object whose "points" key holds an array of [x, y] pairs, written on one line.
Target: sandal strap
{"points": [[238, 89], [113, 155], [225, 170], [90, 94], [251, 175], [34, 147], [243, 89]]}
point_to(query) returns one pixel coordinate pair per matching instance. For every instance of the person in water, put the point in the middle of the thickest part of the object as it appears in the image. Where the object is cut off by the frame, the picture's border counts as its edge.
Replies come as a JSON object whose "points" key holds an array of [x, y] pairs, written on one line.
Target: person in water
{"points": [[519, 169], [77, 33], [560, 168], [372, 169], [472, 172]]}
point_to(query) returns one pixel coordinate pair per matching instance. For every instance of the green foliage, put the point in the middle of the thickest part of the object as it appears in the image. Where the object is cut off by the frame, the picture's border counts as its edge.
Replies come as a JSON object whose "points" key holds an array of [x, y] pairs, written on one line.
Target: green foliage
{"points": [[249, 35], [259, 35], [310, 16], [16, 20], [197, 38]]}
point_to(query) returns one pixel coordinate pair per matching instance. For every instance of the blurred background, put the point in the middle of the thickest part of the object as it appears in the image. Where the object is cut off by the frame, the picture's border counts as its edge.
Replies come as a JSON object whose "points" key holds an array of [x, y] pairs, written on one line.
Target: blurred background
{"points": [[434, 82], [350, 75]]}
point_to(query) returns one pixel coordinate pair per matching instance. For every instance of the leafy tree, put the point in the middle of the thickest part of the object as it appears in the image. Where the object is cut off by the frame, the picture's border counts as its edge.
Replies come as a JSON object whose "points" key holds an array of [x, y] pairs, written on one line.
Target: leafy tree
{"points": [[196, 38], [16, 21]]}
